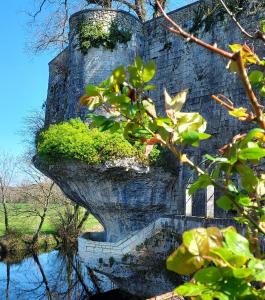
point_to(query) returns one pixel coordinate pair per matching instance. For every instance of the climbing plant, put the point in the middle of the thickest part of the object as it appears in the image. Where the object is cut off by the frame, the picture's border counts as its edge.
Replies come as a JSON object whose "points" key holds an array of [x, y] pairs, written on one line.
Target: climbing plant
{"points": [[93, 34], [222, 263]]}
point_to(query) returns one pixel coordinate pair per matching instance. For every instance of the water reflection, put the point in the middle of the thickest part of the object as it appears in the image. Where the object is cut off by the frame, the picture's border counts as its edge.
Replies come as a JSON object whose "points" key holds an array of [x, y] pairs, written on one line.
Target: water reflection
{"points": [[53, 275]]}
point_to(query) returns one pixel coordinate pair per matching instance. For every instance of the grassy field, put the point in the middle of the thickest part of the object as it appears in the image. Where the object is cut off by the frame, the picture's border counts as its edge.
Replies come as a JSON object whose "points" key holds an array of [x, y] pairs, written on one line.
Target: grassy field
{"points": [[21, 220]]}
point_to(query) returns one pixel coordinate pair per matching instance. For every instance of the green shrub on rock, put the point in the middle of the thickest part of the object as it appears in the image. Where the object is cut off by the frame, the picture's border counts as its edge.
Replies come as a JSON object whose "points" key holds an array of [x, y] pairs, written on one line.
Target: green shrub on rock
{"points": [[75, 140]]}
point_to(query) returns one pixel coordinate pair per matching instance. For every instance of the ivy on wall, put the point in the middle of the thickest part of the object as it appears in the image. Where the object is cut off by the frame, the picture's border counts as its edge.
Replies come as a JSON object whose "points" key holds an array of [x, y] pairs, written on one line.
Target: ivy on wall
{"points": [[93, 35]]}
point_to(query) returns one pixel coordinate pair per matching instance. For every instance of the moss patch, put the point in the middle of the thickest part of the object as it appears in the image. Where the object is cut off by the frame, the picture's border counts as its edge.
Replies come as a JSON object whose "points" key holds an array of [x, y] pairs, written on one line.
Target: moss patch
{"points": [[75, 140]]}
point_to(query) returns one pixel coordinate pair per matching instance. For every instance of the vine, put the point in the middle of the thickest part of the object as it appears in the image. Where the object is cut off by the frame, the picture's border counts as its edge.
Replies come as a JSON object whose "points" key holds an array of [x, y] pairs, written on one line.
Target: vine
{"points": [[94, 35]]}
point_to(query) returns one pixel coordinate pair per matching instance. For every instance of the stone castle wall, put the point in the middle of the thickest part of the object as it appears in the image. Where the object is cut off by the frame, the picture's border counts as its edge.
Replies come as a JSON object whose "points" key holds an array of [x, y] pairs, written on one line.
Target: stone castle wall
{"points": [[180, 65], [66, 88]]}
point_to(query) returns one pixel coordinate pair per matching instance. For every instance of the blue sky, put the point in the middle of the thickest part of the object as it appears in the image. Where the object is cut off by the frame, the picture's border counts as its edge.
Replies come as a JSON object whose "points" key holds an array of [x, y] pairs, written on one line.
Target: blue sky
{"points": [[23, 76]]}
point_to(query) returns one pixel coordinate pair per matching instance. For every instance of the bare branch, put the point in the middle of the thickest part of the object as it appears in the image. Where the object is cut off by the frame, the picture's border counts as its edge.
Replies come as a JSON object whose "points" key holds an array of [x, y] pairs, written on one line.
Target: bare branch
{"points": [[258, 34]]}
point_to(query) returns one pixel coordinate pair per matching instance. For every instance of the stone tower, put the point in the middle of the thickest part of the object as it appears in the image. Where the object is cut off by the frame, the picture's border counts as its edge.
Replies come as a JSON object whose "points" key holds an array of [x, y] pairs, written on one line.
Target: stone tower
{"points": [[72, 69]]}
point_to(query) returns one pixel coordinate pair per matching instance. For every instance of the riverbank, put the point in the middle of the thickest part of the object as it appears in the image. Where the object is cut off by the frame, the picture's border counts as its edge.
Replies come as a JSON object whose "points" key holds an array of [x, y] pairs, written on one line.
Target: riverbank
{"points": [[23, 219], [23, 223]]}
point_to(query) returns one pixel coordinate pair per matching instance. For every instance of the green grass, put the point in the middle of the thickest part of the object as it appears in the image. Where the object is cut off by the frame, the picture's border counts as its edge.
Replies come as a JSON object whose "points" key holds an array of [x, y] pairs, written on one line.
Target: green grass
{"points": [[20, 220]]}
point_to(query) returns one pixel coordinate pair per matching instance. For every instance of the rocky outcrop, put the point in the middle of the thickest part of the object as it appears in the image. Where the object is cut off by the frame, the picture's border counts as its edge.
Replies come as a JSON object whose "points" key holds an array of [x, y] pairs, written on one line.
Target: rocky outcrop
{"points": [[123, 195]]}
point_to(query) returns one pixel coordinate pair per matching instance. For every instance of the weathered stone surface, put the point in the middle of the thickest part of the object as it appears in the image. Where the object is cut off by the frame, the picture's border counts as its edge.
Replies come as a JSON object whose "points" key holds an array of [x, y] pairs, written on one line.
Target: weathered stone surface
{"points": [[124, 195], [72, 70]]}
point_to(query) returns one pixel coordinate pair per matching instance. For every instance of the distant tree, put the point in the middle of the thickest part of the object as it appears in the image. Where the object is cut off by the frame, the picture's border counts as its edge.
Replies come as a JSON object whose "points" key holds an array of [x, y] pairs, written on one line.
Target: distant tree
{"points": [[32, 124], [7, 172], [40, 192]]}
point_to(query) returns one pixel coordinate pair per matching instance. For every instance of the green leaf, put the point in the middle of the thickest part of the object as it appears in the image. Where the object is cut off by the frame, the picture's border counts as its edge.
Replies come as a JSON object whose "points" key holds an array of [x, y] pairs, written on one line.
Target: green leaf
{"points": [[237, 243], [256, 77], [97, 120], [119, 74], [183, 262], [190, 137], [258, 268], [174, 104], [248, 179], [150, 107], [240, 113], [150, 87], [250, 136], [208, 275], [229, 257], [189, 289], [225, 203], [149, 71], [262, 91], [107, 125], [202, 182], [119, 99], [189, 122], [198, 241], [92, 90], [134, 78], [252, 153], [241, 272], [139, 63], [262, 26], [216, 159], [203, 136], [243, 200]]}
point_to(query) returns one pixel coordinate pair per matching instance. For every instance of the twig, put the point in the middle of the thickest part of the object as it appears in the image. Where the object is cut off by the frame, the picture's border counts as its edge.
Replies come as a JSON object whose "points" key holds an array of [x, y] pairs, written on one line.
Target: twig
{"points": [[258, 35], [251, 95]]}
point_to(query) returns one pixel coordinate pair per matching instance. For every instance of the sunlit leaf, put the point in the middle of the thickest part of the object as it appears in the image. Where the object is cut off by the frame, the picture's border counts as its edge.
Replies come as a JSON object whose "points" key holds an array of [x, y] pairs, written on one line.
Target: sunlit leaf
{"points": [[208, 275], [149, 71], [254, 133], [119, 74], [183, 262], [202, 182], [174, 104], [139, 63], [149, 107], [237, 243], [149, 87], [258, 267], [189, 289], [256, 77], [91, 90], [224, 202], [240, 113], [252, 153]]}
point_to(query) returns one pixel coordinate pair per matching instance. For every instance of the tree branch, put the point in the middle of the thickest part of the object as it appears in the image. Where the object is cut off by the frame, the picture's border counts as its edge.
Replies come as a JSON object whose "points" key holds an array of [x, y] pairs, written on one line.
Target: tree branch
{"points": [[258, 34]]}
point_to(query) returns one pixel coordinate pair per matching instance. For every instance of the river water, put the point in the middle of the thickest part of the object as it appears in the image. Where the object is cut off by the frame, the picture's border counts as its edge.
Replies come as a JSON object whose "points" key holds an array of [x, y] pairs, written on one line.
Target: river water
{"points": [[53, 275]]}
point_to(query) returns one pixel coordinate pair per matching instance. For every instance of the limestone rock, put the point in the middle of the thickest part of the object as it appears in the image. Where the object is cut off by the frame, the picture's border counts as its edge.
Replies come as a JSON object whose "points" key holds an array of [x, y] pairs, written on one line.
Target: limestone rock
{"points": [[123, 195]]}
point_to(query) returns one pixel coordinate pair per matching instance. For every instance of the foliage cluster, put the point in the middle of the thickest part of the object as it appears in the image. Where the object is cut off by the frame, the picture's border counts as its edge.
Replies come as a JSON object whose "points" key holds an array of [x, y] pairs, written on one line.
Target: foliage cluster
{"points": [[93, 34], [222, 265], [226, 264], [75, 140]]}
